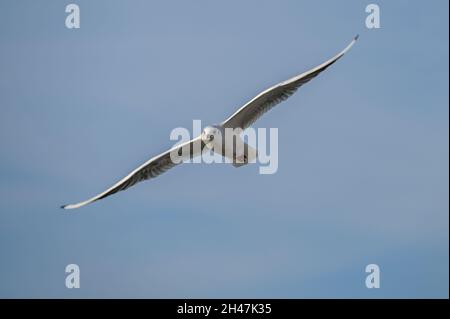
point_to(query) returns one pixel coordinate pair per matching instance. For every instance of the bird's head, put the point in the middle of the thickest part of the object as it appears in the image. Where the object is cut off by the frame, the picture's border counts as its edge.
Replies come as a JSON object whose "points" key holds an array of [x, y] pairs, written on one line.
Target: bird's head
{"points": [[209, 134]]}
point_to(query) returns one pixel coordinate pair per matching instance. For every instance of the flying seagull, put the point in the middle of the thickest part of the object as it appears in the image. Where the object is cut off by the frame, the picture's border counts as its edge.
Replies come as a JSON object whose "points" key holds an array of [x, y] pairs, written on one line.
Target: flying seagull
{"points": [[241, 119]]}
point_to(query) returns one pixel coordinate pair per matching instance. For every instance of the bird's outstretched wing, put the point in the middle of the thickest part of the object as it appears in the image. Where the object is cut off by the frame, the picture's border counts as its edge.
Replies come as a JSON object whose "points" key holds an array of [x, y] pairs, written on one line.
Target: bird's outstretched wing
{"points": [[250, 112], [150, 169]]}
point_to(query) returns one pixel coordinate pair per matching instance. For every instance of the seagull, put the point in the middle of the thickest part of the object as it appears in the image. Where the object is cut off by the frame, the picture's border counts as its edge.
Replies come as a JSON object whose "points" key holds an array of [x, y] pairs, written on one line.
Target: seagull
{"points": [[211, 136]]}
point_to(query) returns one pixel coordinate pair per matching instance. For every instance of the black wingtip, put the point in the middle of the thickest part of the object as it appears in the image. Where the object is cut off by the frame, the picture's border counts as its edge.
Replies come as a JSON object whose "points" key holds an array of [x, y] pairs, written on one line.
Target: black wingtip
{"points": [[356, 37], [63, 206]]}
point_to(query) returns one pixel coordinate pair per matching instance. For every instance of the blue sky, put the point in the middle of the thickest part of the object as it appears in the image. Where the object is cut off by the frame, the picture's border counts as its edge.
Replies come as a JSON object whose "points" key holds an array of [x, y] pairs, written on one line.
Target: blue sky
{"points": [[363, 150]]}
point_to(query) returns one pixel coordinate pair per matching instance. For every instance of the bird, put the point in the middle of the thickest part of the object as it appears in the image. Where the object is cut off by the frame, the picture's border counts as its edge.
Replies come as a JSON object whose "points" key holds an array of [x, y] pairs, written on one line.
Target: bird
{"points": [[212, 135]]}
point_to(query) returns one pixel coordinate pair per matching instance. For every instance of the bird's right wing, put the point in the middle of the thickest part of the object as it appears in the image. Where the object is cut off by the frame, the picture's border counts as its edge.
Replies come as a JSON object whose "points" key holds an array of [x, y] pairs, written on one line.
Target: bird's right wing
{"points": [[150, 169]]}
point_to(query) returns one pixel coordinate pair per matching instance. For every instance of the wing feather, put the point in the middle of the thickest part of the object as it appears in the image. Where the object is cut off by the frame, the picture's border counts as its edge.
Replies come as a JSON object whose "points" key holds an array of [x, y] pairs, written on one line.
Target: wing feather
{"points": [[150, 169], [266, 100]]}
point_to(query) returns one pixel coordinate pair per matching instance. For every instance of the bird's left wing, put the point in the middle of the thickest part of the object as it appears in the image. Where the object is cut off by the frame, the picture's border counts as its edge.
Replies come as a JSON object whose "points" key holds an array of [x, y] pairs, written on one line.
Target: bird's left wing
{"points": [[250, 112], [150, 169]]}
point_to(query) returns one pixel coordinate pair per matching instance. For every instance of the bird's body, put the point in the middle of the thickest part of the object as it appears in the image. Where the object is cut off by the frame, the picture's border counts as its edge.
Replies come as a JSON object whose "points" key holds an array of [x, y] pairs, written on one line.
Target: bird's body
{"points": [[228, 143], [215, 136]]}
